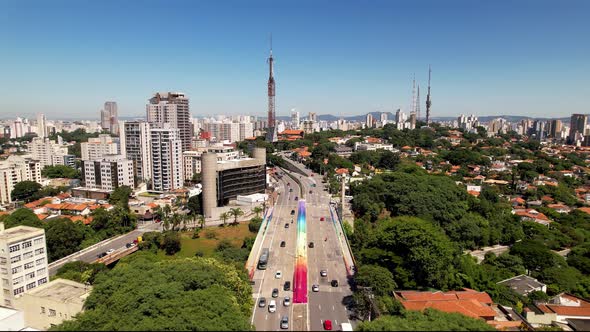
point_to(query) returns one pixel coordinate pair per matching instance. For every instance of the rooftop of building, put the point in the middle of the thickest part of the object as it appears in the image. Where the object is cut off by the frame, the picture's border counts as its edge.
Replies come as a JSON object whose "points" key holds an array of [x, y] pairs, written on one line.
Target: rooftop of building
{"points": [[62, 290], [20, 232], [522, 284]]}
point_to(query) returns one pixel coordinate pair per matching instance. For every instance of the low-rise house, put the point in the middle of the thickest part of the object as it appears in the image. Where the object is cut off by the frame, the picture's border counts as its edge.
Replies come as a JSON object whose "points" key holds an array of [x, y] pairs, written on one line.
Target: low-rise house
{"points": [[532, 215], [343, 150], [559, 309], [524, 284], [560, 208]]}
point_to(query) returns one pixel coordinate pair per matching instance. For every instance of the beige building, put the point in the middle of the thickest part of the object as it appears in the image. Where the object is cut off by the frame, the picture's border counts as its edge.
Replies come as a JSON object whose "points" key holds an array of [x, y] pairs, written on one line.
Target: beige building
{"points": [[53, 303], [14, 170], [99, 147], [23, 261]]}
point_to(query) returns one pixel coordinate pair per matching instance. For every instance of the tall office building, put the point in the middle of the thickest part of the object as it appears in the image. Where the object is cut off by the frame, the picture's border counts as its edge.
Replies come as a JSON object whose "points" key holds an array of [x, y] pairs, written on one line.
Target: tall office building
{"points": [[167, 172], [98, 147], [295, 123], [108, 173], [109, 117], [23, 261], [555, 129], [41, 125], [577, 127], [136, 146], [172, 108]]}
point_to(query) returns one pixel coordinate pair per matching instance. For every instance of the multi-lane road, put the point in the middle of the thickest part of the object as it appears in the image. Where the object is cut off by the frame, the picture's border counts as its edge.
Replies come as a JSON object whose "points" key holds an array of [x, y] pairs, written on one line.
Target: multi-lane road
{"points": [[329, 252]]}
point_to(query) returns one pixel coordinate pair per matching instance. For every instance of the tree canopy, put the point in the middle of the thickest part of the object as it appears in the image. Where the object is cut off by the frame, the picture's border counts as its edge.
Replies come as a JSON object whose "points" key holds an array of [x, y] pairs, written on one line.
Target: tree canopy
{"points": [[60, 171], [25, 190]]}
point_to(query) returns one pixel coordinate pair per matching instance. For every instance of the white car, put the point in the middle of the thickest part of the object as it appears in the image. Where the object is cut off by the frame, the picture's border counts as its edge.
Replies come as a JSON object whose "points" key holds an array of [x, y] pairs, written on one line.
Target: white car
{"points": [[278, 275], [110, 251], [315, 288], [272, 306], [287, 301], [324, 273]]}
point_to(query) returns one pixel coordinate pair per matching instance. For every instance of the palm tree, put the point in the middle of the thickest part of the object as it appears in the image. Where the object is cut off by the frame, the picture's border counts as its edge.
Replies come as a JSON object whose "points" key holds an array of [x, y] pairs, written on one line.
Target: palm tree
{"points": [[236, 212], [166, 210], [176, 220], [224, 216], [257, 210], [201, 219]]}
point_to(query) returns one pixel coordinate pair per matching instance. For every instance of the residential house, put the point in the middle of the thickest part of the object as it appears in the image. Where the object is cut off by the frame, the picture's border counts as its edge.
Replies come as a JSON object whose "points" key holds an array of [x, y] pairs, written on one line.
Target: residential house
{"points": [[524, 284], [532, 215]]}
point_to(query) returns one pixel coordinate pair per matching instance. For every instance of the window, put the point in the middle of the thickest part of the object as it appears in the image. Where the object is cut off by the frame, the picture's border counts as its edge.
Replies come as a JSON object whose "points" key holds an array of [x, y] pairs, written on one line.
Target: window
{"points": [[51, 312], [29, 265], [3, 260], [38, 240], [40, 261], [39, 251], [30, 275], [15, 259], [19, 290], [17, 269], [28, 254], [4, 270], [27, 244], [40, 271], [17, 280], [14, 248], [42, 310], [6, 292], [31, 285], [42, 281]]}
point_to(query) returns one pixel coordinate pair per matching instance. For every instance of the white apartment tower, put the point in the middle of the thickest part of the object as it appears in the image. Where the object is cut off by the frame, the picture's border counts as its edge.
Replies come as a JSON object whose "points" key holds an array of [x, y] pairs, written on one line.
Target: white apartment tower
{"points": [[14, 170], [369, 120], [108, 173], [41, 125], [246, 130], [136, 146], [172, 108], [295, 123], [98, 147], [23, 261], [167, 172], [48, 152], [109, 117]]}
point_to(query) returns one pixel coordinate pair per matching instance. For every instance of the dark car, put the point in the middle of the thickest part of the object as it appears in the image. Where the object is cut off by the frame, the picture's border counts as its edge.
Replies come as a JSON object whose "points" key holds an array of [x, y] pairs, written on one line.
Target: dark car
{"points": [[287, 286], [262, 302], [334, 283], [296, 198], [287, 225], [292, 212], [311, 244], [102, 254], [275, 292], [290, 190], [310, 191], [283, 244]]}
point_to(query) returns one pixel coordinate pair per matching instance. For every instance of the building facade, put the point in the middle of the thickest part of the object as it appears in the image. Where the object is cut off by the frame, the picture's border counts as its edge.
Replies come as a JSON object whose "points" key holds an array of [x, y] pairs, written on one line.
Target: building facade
{"points": [[108, 173], [14, 170], [191, 160], [98, 147], [109, 118], [167, 172], [49, 153], [578, 124], [23, 261], [171, 108], [136, 146]]}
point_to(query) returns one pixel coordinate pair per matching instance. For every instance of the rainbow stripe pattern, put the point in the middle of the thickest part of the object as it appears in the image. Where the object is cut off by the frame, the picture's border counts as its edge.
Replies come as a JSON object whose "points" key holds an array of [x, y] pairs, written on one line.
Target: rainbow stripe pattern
{"points": [[300, 275]]}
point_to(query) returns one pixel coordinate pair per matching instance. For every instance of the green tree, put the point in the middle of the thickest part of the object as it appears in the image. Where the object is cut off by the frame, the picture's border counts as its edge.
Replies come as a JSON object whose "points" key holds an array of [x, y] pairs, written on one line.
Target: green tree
{"points": [[236, 213], [63, 237], [535, 255], [201, 220], [120, 196], [194, 204], [378, 278], [224, 216], [171, 242], [22, 216], [25, 190], [429, 320], [60, 171], [80, 271], [257, 210]]}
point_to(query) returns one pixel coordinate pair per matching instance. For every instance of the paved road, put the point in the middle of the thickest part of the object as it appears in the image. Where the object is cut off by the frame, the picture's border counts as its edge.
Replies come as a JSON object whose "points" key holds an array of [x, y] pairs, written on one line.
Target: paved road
{"points": [[117, 244], [328, 255]]}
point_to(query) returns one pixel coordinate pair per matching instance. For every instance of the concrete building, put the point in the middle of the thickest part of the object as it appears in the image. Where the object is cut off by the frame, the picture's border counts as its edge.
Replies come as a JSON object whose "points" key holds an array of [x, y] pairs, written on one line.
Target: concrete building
{"points": [[191, 160], [524, 284], [109, 118], [108, 173], [172, 108], [23, 261], [52, 303], [136, 145], [98, 147], [578, 124], [14, 170], [224, 180], [12, 320], [246, 130], [49, 153], [369, 121], [294, 119], [167, 172], [41, 125]]}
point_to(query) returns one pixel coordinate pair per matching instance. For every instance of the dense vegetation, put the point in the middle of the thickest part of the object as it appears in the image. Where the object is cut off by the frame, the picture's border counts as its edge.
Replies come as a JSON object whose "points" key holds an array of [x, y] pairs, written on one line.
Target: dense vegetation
{"points": [[60, 171], [146, 293]]}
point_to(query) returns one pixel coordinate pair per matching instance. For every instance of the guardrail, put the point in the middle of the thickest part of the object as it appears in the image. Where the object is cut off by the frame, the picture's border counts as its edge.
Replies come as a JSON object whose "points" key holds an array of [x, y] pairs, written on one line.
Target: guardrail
{"points": [[340, 221]]}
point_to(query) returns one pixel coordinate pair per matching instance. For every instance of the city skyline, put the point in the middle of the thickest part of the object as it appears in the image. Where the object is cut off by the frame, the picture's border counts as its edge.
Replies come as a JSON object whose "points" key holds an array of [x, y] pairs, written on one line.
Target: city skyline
{"points": [[487, 59]]}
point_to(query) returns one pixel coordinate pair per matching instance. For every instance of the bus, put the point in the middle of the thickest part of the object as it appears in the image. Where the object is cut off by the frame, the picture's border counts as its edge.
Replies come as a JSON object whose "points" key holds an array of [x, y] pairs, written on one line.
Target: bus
{"points": [[263, 259]]}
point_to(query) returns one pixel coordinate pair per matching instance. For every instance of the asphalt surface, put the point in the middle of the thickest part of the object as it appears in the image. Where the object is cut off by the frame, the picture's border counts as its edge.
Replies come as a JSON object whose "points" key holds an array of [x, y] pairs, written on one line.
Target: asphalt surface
{"points": [[327, 254], [117, 244]]}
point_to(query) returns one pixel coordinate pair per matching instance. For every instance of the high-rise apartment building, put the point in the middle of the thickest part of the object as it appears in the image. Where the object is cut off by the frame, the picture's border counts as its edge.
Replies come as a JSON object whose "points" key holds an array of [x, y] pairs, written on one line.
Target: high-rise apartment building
{"points": [[295, 123], [369, 120], [312, 117], [555, 129], [98, 147], [578, 124], [41, 125], [108, 173], [109, 118], [246, 130], [172, 108], [167, 172], [136, 146], [23, 261], [50, 153], [14, 170]]}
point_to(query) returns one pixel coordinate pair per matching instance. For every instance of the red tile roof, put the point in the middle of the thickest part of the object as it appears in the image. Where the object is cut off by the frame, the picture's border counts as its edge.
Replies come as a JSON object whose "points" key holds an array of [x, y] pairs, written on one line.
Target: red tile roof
{"points": [[468, 302], [585, 209]]}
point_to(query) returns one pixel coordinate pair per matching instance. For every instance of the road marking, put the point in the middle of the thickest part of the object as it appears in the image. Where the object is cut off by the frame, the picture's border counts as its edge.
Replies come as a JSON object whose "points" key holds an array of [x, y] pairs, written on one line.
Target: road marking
{"points": [[333, 309], [319, 307]]}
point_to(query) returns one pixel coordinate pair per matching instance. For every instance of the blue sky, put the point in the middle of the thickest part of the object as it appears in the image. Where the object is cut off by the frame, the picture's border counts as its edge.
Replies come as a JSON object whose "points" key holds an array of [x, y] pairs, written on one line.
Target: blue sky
{"points": [[65, 58]]}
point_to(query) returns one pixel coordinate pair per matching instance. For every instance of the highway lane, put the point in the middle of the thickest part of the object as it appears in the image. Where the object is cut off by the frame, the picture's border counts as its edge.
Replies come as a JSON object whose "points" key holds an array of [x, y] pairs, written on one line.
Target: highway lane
{"points": [[281, 258]]}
